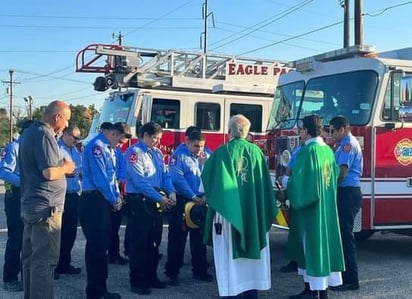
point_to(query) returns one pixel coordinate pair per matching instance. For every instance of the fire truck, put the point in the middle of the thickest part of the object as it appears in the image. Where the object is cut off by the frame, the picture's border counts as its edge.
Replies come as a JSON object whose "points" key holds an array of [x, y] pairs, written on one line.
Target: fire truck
{"points": [[374, 91], [178, 89]]}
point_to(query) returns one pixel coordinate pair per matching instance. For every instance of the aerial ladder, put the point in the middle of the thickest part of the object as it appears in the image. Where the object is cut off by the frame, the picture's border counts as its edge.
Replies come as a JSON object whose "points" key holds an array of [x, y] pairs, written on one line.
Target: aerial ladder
{"points": [[125, 67]]}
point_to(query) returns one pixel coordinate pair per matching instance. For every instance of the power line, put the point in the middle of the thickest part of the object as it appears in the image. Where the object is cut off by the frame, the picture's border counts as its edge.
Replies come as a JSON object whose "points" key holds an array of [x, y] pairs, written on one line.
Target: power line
{"points": [[292, 37], [382, 11], [92, 18], [160, 17], [135, 28], [263, 23], [53, 77], [273, 33]]}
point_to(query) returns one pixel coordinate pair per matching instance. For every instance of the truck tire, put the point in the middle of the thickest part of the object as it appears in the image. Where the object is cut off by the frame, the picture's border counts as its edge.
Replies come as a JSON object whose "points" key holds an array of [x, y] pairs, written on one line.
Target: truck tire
{"points": [[363, 235]]}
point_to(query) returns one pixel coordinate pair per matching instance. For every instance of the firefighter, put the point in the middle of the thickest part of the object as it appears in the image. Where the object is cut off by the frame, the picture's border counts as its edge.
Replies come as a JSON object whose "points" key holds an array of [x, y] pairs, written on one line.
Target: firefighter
{"points": [[9, 173], [67, 144], [349, 196], [149, 187], [185, 169], [100, 197]]}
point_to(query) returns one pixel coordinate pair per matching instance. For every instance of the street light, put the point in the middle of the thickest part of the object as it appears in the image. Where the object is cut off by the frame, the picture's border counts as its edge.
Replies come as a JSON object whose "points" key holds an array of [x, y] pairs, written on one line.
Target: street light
{"points": [[29, 101]]}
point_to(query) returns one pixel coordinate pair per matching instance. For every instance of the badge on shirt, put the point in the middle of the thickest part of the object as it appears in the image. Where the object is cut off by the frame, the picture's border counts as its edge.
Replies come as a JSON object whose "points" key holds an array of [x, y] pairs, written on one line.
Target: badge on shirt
{"points": [[133, 158], [347, 148], [173, 160], [97, 151]]}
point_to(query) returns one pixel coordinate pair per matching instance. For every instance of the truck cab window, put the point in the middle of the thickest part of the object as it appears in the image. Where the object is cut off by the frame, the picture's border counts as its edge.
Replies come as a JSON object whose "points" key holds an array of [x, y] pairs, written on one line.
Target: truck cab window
{"points": [[207, 116], [166, 112], [252, 112]]}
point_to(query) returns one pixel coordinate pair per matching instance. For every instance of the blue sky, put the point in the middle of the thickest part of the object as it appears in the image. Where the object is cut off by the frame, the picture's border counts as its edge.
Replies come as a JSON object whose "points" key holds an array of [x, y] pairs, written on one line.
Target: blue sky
{"points": [[40, 39]]}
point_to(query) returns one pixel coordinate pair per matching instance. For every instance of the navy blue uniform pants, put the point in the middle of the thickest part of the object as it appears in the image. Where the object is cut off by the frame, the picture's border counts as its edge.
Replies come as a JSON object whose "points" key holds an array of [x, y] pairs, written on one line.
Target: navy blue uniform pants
{"points": [[114, 243], [349, 201], [12, 263], [69, 229], [177, 236], [95, 219], [145, 231]]}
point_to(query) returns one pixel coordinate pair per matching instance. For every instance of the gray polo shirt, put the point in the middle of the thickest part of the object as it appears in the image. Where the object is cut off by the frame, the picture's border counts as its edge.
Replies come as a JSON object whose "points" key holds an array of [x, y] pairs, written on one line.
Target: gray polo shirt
{"points": [[38, 151]]}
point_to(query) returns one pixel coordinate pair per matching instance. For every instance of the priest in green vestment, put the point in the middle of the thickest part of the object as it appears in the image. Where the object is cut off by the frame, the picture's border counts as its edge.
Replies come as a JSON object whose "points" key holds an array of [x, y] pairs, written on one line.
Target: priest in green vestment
{"points": [[315, 240], [241, 210]]}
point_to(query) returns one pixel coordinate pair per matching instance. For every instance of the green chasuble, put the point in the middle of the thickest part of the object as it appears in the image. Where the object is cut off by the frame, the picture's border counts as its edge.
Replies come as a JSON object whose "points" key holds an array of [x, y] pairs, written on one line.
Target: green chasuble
{"points": [[237, 185], [312, 193], [315, 241]]}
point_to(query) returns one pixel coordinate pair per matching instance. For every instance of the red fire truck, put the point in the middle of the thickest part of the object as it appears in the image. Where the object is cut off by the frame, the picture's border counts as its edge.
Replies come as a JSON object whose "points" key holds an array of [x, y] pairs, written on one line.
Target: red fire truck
{"points": [[178, 89], [374, 91]]}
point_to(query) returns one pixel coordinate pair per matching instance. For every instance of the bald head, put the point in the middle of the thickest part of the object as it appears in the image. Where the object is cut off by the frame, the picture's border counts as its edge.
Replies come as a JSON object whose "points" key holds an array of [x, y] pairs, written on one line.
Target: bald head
{"points": [[57, 116], [56, 107]]}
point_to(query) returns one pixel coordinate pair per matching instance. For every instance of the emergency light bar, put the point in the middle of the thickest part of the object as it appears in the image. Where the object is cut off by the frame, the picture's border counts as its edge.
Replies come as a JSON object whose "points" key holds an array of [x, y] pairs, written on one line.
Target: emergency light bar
{"points": [[308, 64]]}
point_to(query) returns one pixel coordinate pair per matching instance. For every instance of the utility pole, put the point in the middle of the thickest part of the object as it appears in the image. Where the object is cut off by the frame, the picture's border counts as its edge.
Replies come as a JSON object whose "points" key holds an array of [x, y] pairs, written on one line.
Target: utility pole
{"points": [[118, 37], [205, 15], [10, 92], [29, 101], [346, 19], [346, 29], [358, 23]]}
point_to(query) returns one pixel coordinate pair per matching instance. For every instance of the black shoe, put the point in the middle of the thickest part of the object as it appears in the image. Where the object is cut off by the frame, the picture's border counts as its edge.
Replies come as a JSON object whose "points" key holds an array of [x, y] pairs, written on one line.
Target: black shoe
{"points": [[68, 270], [174, 281], [203, 277], [157, 284], [141, 291], [306, 295], [345, 287], [118, 260], [56, 275], [291, 267], [13, 286], [111, 296]]}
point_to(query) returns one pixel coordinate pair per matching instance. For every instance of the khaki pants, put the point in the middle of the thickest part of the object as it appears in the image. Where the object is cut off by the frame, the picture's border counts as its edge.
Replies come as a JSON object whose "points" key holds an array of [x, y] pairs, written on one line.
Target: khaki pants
{"points": [[40, 254]]}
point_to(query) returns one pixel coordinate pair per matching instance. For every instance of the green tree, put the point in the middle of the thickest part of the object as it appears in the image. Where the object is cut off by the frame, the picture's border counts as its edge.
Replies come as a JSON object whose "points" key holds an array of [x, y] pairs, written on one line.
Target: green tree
{"points": [[4, 127], [81, 116]]}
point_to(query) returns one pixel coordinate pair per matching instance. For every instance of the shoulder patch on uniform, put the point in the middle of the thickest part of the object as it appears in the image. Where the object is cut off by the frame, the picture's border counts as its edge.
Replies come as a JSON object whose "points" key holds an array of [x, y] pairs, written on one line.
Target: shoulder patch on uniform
{"points": [[347, 148], [133, 158], [3, 153], [97, 151], [173, 160]]}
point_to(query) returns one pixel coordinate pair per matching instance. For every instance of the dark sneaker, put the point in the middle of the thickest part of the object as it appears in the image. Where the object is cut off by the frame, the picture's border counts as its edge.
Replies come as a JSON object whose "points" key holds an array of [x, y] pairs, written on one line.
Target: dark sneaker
{"points": [[291, 267], [118, 260], [345, 287], [141, 291], [203, 277], [69, 270], [111, 296], [174, 281], [157, 284], [13, 286]]}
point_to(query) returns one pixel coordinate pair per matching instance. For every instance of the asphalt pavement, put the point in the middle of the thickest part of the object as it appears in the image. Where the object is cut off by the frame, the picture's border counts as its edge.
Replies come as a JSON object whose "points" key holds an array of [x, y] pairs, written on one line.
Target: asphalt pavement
{"points": [[384, 266]]}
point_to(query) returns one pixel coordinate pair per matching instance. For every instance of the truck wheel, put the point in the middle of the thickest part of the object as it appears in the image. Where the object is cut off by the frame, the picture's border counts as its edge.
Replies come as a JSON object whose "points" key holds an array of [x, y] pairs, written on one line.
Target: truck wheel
{"points": [[363, 235]]}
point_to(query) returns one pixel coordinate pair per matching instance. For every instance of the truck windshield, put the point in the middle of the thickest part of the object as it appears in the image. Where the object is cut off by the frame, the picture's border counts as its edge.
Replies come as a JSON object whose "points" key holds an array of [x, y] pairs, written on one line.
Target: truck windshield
{"points": [[116, 108], [285, 105], [350, 94]]}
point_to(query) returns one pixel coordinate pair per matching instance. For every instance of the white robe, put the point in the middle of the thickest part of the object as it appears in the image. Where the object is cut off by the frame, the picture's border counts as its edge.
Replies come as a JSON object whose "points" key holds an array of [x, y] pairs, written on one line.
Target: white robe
{"points": [[235, 276], [323, 282]]}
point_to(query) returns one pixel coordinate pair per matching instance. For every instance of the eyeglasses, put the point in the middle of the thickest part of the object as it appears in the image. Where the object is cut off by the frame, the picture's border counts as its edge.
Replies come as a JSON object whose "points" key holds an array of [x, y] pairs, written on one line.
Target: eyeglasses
{"points": [[74, 137]]}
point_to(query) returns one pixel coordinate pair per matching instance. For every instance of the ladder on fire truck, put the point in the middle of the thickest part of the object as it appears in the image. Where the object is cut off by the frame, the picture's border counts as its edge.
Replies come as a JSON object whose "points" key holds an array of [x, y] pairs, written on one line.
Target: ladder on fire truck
{"points": [[124, 66]]}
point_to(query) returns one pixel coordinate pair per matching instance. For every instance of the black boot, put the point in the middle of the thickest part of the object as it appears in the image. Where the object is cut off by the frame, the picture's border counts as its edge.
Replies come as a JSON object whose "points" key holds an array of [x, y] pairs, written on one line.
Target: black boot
{"points": [[306, 293], [323, 294]]}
